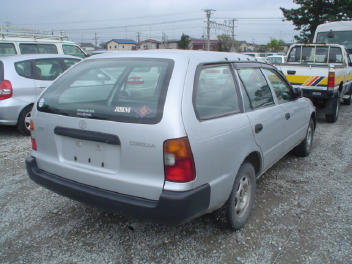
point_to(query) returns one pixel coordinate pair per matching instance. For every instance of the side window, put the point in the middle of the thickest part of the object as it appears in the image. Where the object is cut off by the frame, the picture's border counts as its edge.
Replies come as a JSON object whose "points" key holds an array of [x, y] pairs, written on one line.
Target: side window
{"points": [[282, 90], [7, 49], [69, 62], [257, 88], [27, 48], [215, 93], [24, 68], [73, 50], [46, 69], [335, 55]]}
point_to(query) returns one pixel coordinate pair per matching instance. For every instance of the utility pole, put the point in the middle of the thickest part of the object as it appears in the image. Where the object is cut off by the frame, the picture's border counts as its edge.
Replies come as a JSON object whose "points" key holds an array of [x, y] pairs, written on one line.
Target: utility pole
{"points": [[96, 39], [208, 14], [233, 34]]}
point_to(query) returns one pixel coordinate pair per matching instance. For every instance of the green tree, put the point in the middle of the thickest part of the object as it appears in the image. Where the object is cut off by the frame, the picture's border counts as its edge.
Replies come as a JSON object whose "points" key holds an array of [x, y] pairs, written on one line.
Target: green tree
{"points": [[184, 42], [225, 42], [275, 45], [312, 13]]}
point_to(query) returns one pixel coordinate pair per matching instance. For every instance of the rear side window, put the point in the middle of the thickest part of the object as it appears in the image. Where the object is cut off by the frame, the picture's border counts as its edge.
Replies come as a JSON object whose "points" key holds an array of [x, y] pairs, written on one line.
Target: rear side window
{"points": [[46, 69], [124, 90], [7, 49], [215, 93], [257, 88], [73, 51], [27, 48], [24, 69]]}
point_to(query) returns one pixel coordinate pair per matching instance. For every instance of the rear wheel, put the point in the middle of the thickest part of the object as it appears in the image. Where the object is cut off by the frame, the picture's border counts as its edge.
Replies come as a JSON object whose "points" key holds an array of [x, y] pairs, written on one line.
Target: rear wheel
{"points": [[241, 200], [304, 148], [332, 117], [347, 101], [24, 120]]}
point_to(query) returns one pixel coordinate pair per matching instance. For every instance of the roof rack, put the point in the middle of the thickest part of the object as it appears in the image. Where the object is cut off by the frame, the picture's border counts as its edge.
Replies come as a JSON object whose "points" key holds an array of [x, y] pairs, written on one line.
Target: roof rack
{"points": [[7, 31]]}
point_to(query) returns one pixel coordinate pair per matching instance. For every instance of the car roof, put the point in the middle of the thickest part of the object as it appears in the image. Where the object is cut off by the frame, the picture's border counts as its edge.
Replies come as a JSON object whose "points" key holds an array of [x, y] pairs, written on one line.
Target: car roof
{"points": [[14, 58], [7, 39], [206, 56]]}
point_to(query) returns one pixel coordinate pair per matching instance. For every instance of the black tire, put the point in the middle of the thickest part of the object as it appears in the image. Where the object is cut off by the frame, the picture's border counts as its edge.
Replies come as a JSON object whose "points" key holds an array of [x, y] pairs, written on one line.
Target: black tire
{"points": [[23, 121], [332, 118], [305, 147], [237, 212], [347, 101]]}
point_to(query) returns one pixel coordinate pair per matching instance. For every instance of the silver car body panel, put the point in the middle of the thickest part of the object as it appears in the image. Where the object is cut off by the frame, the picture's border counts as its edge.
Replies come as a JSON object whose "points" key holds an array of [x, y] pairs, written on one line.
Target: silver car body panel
{"points": [[136, 166], [25, 90]]}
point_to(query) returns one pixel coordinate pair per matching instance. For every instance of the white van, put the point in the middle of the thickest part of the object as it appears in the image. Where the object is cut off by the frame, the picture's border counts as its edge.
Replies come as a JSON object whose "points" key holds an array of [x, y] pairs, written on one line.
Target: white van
{"points": [[12, 43], [339, 32]]}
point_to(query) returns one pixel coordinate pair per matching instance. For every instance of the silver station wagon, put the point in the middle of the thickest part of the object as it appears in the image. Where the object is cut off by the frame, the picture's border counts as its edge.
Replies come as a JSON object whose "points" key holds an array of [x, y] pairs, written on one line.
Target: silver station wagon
{"points": [[167, 135]]}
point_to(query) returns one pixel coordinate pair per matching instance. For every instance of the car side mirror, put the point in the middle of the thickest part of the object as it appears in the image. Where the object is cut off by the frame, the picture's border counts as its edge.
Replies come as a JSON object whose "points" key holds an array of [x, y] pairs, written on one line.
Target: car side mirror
{"points": [[297, 92]]}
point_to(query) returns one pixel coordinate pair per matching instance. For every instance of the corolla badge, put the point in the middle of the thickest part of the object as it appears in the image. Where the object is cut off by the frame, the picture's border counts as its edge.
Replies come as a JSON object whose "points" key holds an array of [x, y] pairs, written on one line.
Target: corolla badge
{"points": [[82, 124]]}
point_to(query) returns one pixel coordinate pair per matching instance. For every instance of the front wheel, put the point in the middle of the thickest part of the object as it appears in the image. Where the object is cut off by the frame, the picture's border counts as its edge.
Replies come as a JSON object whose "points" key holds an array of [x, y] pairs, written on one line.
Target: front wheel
{"points": [[23, 125], [242, 197]]}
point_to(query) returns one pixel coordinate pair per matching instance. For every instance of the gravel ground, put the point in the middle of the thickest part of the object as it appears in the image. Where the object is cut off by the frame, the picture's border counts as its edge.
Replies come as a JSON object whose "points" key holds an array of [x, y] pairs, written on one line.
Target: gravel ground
{"points": [[303, 214]]}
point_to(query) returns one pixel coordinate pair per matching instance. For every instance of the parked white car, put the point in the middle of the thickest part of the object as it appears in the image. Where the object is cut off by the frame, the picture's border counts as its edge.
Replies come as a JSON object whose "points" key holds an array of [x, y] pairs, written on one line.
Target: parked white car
{"points": [[15, 43], [22, 79]]}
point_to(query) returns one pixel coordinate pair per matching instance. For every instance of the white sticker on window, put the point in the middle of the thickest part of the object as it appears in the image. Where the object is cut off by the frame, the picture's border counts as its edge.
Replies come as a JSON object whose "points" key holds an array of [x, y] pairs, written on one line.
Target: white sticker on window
{"points": [[122, 109]]}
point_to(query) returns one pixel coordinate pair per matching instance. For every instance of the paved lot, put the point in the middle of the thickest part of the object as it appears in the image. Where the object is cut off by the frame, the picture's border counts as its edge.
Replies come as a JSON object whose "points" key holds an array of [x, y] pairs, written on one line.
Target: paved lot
{"points": [[303, 214]]}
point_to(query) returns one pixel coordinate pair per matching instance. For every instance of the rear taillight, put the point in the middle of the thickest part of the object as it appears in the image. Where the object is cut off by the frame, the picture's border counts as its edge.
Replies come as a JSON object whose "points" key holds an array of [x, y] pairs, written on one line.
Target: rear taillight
{"points": [[5, 90], [331, 80], [178, 160], [34, 142]]}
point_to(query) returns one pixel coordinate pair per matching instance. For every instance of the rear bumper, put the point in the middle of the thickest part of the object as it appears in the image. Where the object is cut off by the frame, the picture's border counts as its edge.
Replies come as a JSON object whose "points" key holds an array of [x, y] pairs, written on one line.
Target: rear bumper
{"points": [[171, 208], [322, 94]]}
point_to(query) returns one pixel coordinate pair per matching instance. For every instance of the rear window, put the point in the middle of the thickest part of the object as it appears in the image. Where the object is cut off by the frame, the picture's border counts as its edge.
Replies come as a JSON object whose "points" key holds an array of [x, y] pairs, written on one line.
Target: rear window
{"points": [[124, 90], [315, 54], [7, 49], [27, 48]]}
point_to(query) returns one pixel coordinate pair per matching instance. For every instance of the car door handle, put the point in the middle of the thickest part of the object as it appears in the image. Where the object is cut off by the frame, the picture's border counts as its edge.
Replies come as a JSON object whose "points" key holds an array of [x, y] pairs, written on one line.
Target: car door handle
{"points": [[42, 87], [287, 116], [258, 128], [291, 72]]}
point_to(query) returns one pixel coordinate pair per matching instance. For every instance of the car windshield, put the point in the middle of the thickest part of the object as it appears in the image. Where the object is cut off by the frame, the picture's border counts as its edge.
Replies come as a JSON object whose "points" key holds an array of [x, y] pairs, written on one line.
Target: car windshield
{"points": [[125, 90], [7, 49], [336, 37]]}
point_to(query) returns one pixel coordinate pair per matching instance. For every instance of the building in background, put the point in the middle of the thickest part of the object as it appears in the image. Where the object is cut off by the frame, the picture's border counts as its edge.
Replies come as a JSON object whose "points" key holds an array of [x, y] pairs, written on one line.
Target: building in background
{"points": [[121, 44], [169, 44], [149, 44], [201, 44]]}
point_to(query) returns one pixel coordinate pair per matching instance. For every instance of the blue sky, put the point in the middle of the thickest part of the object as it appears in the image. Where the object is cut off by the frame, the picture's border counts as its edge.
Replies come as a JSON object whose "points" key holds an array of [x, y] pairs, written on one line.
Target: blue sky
{"points": [[257, 21]]}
